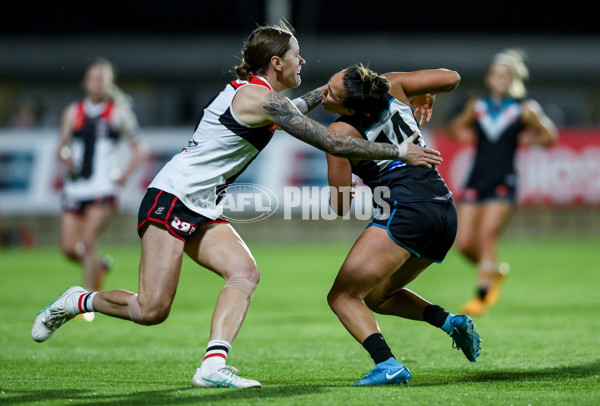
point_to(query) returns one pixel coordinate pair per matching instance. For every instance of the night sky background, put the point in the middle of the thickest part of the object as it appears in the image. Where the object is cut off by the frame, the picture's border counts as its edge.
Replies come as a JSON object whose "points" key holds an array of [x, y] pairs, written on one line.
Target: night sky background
{"points": [[178, 17]]}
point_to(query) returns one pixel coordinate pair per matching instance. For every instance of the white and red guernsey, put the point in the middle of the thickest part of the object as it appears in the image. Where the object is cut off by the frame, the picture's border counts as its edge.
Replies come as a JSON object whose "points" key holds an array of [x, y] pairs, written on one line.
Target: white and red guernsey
{"points": [[96, 130], [221, 148]]}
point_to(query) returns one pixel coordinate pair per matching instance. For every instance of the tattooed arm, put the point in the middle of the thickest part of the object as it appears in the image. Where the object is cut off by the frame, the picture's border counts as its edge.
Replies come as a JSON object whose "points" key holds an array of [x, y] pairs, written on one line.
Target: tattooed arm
{"points": [[308, 101], [283, 113]]}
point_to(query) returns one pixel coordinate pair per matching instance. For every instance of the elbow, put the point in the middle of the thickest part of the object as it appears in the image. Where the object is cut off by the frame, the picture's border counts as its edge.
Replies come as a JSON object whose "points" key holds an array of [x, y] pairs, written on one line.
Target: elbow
{"points": [[454, 80], [552, 138]]}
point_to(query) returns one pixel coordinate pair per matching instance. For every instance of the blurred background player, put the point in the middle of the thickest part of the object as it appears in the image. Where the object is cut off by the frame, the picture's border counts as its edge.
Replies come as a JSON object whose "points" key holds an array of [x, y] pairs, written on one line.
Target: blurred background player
{"points": [[497, 124], [180, 212], [416, 218], [90, 132]]}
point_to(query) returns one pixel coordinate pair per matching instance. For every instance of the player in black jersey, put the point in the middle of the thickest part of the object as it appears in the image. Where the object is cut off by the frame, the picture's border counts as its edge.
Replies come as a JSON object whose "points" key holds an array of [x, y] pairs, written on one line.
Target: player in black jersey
{"points": [[497, 124], [415, 223]]}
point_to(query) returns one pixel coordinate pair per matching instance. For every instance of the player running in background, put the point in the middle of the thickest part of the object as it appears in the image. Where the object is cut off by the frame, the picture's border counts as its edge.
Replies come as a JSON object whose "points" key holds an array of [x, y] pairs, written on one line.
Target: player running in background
{"points": [[496, 123], [180, 212], [415, 223], [90, 132]]}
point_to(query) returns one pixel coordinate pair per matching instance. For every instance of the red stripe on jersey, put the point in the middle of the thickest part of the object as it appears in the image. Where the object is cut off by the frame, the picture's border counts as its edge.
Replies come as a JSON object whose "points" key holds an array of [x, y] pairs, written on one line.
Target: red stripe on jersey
{"points": [[108, 110], [254, 80]]}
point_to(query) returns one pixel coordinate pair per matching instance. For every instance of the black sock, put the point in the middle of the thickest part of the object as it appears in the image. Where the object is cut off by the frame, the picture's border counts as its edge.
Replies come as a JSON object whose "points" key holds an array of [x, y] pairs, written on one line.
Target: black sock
{"points": [[481, 292], [377, 347], [435, 315]]}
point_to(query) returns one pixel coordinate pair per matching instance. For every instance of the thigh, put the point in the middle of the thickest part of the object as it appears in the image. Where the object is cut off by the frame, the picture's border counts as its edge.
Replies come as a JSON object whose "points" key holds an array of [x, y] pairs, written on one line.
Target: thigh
{"points": [[70, 228], [403, 276], [219, 248], [160, 266], [494, 216], [394, 287], [95, 217], [469, 215], [373, 258]]}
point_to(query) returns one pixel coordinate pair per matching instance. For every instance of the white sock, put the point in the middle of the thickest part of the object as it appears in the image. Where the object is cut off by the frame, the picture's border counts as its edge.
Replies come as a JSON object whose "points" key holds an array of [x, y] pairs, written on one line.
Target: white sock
{"points": [[216, 355], [84, 302]]}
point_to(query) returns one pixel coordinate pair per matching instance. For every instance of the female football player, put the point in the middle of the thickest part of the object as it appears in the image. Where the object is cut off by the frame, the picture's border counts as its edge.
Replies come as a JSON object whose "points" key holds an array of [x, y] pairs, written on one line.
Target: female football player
{"points": [[180, 212], [90, 131], [416, 219], [497, 123]]}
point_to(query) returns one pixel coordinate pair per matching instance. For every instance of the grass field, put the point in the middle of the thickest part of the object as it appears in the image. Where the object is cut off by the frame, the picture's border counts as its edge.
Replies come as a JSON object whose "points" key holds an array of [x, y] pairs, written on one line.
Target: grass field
{"points": [[541, 342]]}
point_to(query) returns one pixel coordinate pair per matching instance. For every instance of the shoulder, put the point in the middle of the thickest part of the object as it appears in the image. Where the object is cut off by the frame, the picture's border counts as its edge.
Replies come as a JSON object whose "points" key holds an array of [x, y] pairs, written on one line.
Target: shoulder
{"points": [[343, 126], [531, 111], [74, 106], [531, 106], [251, 92], [123, 110], [69, 112], [124, 117], [253, 100], [258, 105]]}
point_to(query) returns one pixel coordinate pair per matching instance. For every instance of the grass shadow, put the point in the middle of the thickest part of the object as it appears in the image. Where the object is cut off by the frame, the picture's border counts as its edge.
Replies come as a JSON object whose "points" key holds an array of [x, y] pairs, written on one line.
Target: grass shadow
{"points": [[188, 395], [559, 372], [174, 396]]}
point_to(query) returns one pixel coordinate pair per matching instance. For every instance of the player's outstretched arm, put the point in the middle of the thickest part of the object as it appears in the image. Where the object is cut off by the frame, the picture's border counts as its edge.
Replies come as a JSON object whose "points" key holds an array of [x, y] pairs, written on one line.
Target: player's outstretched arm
{"points": [[308, 101], [283, 113], [419, 82]]}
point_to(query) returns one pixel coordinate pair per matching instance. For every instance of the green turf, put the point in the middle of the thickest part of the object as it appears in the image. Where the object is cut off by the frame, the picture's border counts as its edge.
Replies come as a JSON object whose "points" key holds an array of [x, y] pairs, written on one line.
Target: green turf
{"points": [[541, 342]]}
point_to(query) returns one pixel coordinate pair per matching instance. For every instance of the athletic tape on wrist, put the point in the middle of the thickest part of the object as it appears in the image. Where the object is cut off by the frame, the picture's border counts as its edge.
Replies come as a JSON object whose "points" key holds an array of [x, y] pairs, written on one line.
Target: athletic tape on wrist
{"points": [[301, 105], [402, 150]]}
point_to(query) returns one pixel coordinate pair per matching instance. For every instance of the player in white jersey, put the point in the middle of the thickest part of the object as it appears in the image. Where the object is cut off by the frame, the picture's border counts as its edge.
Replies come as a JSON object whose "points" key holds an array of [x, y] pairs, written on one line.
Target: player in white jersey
{"points": [[178, 214], [90, 133], [220, 149], [416, 217]]}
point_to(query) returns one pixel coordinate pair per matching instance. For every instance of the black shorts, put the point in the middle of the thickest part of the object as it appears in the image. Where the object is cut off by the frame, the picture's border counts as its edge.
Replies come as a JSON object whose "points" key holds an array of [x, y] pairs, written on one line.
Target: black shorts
{"points": [[164, 208], [424, 228], [79, 206], [501, 192]]}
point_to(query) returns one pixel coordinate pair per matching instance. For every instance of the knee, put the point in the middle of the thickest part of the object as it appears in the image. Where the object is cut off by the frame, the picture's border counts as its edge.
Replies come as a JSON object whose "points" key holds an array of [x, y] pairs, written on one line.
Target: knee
{"points": [[88, 243], [336, 299], [252, 274], [149, 314], [464, 244], [332, 300], [155, 315], [73, 252], [245, 279]]}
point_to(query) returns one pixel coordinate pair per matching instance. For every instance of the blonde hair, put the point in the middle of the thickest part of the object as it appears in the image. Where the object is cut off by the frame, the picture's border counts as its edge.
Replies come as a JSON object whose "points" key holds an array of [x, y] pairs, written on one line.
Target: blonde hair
{"points": [[114, 92], [514, 59]]}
